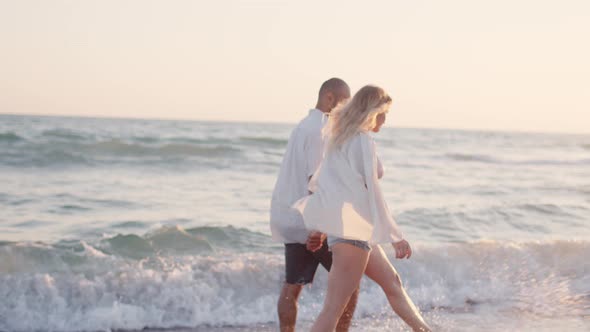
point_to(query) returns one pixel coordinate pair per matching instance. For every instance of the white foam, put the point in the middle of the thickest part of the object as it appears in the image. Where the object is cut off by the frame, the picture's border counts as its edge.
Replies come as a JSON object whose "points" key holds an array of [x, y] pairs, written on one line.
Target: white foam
{"points": [[107, 292]]}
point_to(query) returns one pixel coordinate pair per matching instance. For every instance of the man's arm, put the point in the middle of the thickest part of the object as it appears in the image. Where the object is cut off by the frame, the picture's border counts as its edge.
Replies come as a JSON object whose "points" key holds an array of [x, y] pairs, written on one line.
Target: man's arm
{"points": [[313, 157], [315, 241]]}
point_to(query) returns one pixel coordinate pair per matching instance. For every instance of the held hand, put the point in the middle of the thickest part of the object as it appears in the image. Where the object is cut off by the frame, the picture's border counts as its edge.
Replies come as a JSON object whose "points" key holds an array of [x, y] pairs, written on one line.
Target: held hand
{"points": [[315, 241], [402, 249]]}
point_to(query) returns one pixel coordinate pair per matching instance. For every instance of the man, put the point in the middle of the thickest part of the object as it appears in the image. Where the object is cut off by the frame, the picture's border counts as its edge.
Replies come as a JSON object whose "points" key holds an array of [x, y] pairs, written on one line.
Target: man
{"points": [[304, 251]]}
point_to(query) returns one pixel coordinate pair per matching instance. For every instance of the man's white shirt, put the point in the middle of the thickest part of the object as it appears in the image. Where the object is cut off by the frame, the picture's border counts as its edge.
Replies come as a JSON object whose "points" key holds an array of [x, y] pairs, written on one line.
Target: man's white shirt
{"points": [[301, 159]]}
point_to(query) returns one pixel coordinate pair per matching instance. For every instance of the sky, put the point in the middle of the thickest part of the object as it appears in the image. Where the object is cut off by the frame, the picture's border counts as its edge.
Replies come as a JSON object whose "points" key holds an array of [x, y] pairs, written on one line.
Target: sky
{"points": [[520, 65]]}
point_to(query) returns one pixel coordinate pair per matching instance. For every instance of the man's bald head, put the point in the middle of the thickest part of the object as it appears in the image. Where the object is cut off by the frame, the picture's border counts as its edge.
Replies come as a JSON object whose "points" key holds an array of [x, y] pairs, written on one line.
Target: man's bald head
{"points": [[332, 92]]}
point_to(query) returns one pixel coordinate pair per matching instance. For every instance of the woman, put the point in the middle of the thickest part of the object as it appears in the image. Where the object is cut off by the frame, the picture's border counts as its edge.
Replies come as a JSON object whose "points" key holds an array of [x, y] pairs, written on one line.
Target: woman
{"points": [[347, 204]]}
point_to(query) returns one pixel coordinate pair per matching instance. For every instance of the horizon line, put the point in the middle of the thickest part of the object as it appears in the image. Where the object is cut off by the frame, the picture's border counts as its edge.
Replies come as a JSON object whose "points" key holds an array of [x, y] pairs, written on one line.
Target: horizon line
{"points": [[106, 117]]}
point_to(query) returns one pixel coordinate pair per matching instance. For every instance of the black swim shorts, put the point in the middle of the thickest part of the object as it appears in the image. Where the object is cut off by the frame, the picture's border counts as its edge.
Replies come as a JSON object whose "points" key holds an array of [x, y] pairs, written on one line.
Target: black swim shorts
{"points": [[301, 264]]}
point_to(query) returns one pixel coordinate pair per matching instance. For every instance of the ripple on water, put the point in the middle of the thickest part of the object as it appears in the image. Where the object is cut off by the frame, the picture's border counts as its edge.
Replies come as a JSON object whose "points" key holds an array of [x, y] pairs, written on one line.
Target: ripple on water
{"points": [[33, 223]]}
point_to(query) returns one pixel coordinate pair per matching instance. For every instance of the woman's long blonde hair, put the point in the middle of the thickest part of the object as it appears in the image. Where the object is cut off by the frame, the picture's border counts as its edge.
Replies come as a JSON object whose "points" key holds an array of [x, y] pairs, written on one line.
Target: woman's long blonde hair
{"points": [[359, 114]]}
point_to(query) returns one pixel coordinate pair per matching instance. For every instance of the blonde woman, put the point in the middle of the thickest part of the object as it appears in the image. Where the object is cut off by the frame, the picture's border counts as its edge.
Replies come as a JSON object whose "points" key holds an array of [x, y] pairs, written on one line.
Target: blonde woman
{"points": [[347, 204]]}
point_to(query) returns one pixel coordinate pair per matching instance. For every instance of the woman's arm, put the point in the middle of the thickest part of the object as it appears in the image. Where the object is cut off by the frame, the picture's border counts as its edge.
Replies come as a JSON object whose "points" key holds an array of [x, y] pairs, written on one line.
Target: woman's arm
{"points": [[379, 168], [385, 229]]}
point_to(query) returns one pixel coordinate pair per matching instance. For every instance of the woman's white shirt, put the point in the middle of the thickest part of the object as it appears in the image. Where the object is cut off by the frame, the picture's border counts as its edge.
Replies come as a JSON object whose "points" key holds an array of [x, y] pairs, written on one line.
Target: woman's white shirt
{"points": [[347, 200]]}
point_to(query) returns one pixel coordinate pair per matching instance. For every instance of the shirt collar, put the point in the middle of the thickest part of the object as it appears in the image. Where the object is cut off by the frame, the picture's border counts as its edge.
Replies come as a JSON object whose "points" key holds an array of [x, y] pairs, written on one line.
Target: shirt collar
{"points": [[318, 112], [323, 117]]}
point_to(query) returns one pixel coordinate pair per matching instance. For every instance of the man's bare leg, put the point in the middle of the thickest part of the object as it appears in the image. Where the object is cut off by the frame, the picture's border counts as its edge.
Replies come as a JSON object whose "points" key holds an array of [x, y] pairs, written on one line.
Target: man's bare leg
{"points": [[346, 318], [287, 306]]}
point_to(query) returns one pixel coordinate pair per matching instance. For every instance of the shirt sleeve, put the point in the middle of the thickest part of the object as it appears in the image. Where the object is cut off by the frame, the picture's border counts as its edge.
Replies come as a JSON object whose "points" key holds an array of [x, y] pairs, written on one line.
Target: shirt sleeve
{"points": [[314, 150], [385, 229]]}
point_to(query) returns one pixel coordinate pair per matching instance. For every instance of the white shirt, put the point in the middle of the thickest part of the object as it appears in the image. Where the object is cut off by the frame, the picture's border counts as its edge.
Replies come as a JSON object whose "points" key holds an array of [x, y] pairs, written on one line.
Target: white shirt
{"points": [[347, 200], [300, 161]]}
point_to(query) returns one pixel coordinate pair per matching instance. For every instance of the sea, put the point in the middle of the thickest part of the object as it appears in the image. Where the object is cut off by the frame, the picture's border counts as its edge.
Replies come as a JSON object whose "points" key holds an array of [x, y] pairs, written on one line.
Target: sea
{"points": [[161, 225]]}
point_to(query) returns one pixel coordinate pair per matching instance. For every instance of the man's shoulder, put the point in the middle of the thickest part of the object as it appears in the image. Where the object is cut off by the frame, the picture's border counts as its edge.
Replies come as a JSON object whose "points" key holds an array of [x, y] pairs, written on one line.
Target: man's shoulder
{"points": [[309, 126]]}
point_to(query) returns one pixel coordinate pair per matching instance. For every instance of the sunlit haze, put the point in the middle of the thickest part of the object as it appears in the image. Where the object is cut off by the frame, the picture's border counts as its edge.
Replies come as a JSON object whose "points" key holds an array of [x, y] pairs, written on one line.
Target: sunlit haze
{"points": [[509, 65]]}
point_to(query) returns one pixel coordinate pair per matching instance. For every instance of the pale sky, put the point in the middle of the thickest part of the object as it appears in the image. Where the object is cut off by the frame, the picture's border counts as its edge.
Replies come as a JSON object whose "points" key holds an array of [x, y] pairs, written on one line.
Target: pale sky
{"points": [[470, 64]]}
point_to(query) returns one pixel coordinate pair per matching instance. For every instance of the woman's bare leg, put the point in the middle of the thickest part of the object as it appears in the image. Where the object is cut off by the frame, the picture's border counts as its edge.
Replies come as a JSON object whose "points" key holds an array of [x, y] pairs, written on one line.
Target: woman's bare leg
{"points": [[348, 264], [380, 270], [346, 317]]}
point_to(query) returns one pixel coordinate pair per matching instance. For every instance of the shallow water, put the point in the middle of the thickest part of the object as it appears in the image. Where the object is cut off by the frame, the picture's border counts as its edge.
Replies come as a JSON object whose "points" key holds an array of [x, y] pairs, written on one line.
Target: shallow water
{"points": [[125, 224]]}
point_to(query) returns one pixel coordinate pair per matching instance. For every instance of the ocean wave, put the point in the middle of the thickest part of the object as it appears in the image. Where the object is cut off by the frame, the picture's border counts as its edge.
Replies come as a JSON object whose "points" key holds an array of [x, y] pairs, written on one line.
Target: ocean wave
{"points": [[465, 157], [88, 147], [96, 290], [471, 157], [118, 147], [544, 209], [523, 220], [65, 134], [270, 141], [46, 157], [167, 240], [63, 146], [10, 137], [175, 240], [112, 151], [584, 161]]}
